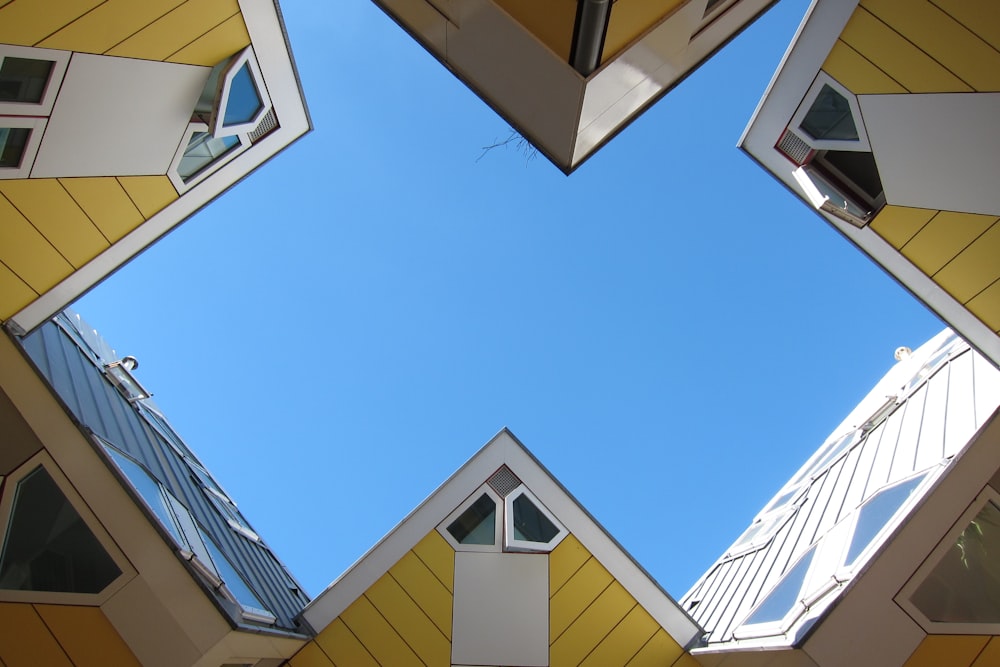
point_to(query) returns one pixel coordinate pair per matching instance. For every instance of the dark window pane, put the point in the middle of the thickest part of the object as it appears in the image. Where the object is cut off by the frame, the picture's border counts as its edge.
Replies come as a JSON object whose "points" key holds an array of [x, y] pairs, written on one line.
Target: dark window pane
{"points": [[48, 547], [476, 525], [149, 489], [24, 79], [965, 586], [12, 143], [781, 599], [234, 582], [876, 513], [244, 100], [859, 167], [530, 525], [830, 117]]}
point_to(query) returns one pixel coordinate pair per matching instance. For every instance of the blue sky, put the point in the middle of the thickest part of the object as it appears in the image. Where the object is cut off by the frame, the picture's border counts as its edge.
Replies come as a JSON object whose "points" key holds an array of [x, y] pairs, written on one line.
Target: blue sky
{"points": [[668, 330]]}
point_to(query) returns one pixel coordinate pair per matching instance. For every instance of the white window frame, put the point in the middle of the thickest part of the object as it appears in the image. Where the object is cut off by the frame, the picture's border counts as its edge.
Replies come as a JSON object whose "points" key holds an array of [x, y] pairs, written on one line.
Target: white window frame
{"points": [[794, 613], [60, 60], [903, 598], [244, 57], [112, 370], [860, 145], [37, 125], [512, 544], [44, 460], [498, 522], [178, 182]]}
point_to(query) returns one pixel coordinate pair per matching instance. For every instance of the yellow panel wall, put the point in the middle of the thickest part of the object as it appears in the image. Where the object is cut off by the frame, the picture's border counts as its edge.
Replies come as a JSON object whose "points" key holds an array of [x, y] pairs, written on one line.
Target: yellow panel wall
{"points": [[404, 618], [950, 650], [197, 32], [630, 19], [594, 621], [50, 227], [551, 22], [59, 636]]}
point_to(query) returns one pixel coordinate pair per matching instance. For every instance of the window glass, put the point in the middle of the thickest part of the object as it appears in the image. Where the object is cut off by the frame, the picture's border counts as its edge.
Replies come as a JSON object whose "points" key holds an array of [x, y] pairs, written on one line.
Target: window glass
{"points": [[12, 143], [857, 167], [876, 513], [148, 488], [829, 117], [780, 600], [203, 150], [965, 586], [530, 524], [24, 79], [234, 582], [244, 101], [477, 524], [48, 547]]}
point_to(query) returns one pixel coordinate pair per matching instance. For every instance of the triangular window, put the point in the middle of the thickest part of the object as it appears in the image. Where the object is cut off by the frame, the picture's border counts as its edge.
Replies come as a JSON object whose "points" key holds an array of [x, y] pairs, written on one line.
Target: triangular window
{"points": [[477, 524], [877, 513], [48, 546], [241, 99], [529, 526]]}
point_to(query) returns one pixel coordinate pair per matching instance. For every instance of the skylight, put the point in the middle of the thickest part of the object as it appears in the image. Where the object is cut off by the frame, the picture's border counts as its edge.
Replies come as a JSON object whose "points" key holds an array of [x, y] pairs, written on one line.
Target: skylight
{"points": [[877, 513]]}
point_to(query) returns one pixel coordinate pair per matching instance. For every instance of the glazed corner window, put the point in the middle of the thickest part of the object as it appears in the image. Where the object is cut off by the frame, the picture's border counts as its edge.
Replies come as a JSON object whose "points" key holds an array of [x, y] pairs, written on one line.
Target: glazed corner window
{"points": [[48, 546], [782, 599], [502, 515], [13, 141], [24, 79], [528, 524], [477, 524], [120, 374], [241, 99], [964, 587], [877, 513], [829, 117], [203, 150]]}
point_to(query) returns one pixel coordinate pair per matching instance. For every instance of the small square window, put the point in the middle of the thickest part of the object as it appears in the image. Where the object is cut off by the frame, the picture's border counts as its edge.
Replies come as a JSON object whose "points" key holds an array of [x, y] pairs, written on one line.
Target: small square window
{"points": [[24, 79]]}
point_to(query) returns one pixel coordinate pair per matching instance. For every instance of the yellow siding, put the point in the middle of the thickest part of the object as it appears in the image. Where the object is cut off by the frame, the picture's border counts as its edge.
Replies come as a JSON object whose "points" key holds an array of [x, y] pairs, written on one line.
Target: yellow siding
{"points": [[566, 606], [990, 656], [108, 24], [311, 655], [631, 18], [950, 650], [425, 589], [974, 269], [402, 619], [409, 621], [106, 203], [343, 647], [980, 16], [150, 194], [624, 641], [564, 561], [942, 38], [591, 627], [27, 22], [215, 45], [551, 21], [371, 628], [660, 650], [942, 238], [986, 306], [176, 29], [14, 293], [684, 660], [439, 557], [897, 57], [858, 74], [57, 217], [24, 639], [87, 636], [27, 253], [899, 224]]}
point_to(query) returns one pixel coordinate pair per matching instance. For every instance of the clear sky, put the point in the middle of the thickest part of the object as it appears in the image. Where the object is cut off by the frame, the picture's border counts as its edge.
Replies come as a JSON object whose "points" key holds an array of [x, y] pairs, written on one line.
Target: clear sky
{"points": [[668, 330]]}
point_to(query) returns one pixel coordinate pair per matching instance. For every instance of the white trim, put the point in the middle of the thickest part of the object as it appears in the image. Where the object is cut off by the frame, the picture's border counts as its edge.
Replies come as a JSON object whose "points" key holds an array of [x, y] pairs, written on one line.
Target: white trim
{"points": [[513, 544], [497, 522], [37, 126], [795, 125], [43, 460], [903, 598], [60, 61], [244, 57]]}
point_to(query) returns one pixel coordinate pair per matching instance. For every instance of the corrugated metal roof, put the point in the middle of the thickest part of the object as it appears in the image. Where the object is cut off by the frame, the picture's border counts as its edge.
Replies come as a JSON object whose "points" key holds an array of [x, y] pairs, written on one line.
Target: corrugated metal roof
{"points": [[71, 356], [925, 410]]}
